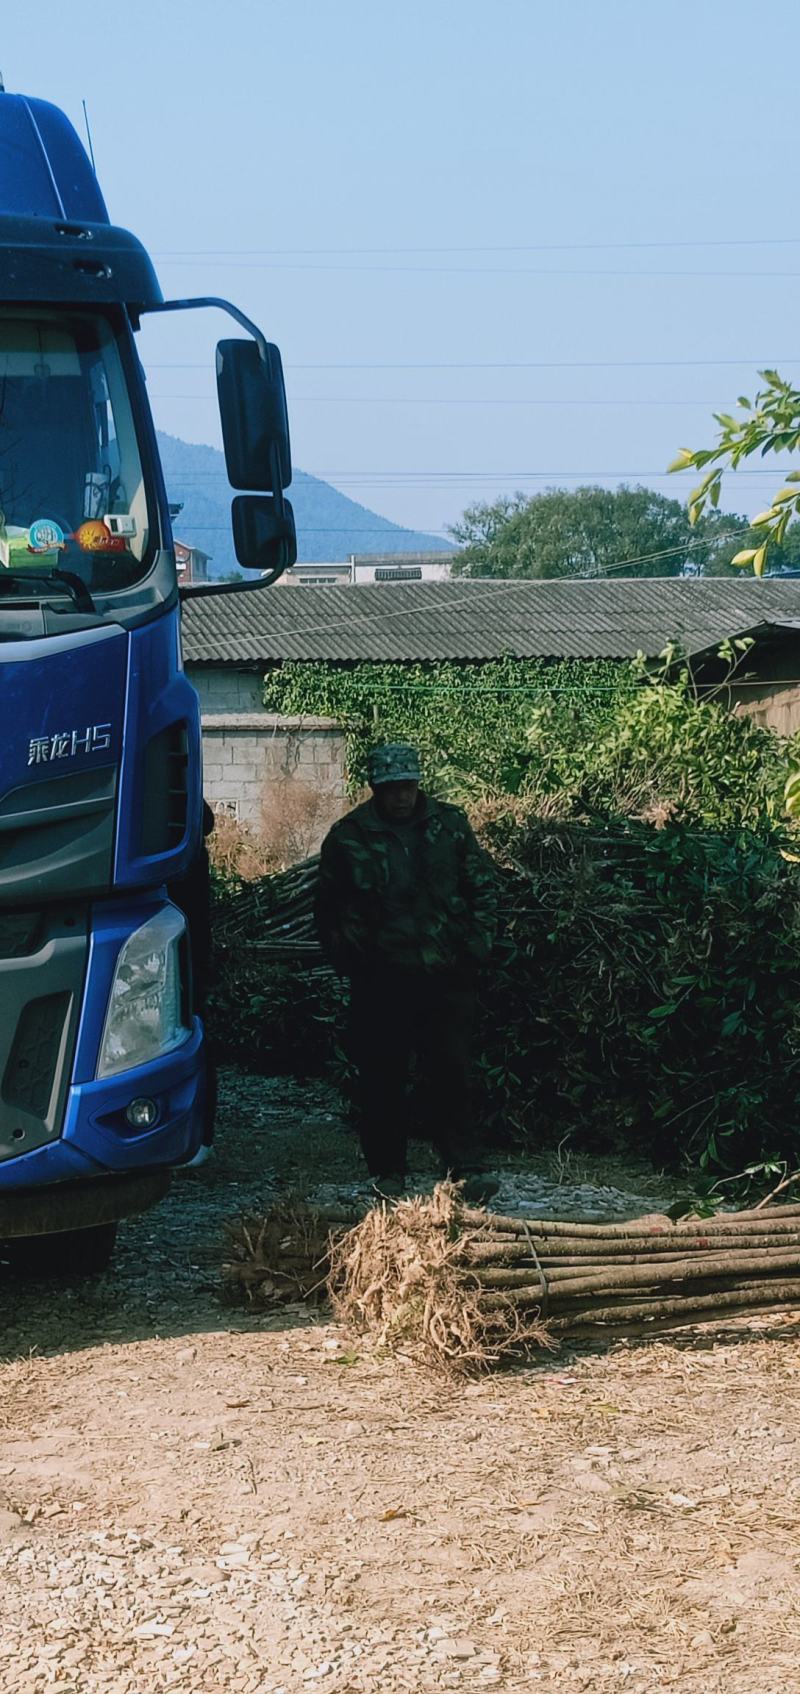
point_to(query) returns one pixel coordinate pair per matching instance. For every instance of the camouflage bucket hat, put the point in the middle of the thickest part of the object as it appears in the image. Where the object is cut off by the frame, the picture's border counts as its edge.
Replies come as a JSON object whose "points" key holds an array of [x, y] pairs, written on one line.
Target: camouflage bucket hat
{"points": [[393, 764]]}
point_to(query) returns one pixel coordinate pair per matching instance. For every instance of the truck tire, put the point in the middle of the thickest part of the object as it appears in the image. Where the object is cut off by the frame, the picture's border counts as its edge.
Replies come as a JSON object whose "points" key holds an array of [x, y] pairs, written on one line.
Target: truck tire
{"points": [[72, 1253]]}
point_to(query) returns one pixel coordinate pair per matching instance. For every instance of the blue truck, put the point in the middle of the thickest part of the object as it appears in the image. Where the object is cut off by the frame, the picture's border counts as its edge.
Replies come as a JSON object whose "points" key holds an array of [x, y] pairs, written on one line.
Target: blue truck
{"points": [[102, 1053]]}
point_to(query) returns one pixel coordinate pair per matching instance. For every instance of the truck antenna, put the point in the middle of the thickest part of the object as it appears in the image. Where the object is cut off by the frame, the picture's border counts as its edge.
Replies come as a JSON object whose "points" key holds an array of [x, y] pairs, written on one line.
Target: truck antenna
{"points": [[89, 136]]}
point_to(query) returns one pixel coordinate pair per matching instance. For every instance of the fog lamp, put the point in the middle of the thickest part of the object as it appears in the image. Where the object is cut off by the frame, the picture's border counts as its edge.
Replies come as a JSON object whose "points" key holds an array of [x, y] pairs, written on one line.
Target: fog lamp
{"points": [[142, 1113]]}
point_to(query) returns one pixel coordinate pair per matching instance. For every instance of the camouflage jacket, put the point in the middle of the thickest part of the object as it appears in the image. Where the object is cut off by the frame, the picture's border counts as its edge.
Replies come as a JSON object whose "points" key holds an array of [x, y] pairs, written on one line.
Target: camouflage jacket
{"points": [[421, 895]]}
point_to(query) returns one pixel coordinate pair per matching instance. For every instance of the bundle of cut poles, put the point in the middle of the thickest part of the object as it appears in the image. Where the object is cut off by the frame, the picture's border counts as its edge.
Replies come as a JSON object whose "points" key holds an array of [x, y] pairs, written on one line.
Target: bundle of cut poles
{"points": [[273, 915], [649, 1270]]}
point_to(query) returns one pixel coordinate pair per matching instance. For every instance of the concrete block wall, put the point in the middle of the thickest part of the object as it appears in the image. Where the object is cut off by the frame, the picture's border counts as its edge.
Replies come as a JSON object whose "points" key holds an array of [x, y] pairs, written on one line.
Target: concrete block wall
{"points": [[283, 777], [225, 689]]}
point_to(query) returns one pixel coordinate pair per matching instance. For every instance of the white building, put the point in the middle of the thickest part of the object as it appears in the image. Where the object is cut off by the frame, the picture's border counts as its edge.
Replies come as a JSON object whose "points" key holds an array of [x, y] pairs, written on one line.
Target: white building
{"points": [[334, 573], [399, 567], [369, 567]]}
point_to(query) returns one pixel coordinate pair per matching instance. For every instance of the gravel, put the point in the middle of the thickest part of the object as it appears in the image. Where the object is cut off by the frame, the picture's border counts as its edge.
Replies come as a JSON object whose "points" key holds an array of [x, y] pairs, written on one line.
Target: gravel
{"points": [[201, 1499]]}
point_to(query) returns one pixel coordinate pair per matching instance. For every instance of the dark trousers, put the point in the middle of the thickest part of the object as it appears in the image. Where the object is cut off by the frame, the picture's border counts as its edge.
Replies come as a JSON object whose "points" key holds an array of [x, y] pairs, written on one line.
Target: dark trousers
{"points": [[397, 1016]]}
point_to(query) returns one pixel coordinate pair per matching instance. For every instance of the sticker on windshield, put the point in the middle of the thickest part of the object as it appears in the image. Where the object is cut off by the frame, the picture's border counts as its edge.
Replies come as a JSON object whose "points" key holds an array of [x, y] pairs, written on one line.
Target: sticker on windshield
{"points": [[45, 536], [96, 537]]}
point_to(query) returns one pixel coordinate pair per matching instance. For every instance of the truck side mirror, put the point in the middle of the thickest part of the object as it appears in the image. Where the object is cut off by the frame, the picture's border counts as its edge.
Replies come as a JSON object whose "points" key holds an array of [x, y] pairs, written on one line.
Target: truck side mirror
{"points": [[264, 535], [255, 424]]}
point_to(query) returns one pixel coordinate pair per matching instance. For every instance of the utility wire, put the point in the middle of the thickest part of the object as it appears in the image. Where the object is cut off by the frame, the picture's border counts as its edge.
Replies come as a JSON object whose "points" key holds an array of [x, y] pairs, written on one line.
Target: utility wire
{"points": [[515, 247], [424, 400], [512, 365], [469, 270], [499, 589], [445, 479], [641, 558], [536, 687]]}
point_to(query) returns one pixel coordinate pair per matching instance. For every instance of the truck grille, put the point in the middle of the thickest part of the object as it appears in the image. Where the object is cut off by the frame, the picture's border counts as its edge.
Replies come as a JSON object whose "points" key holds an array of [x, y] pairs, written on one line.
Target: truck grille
{"points": [[57, 833], [43, 957], [33, 1061]]}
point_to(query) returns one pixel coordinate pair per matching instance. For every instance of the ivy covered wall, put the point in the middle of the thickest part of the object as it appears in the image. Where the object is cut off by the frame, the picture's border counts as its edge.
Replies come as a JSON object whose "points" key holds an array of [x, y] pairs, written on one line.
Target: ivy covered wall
{"points": [[469, 721]]}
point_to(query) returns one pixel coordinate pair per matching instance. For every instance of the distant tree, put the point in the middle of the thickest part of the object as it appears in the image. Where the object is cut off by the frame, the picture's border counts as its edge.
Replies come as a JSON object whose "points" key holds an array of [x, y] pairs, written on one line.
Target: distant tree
{"points": [[769, 423], [592, 532]]}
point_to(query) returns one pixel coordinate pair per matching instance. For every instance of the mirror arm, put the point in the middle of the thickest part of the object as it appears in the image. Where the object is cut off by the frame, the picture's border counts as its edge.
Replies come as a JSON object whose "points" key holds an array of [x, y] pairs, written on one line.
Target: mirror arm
{"points": [[204, 301], [202, 590]]}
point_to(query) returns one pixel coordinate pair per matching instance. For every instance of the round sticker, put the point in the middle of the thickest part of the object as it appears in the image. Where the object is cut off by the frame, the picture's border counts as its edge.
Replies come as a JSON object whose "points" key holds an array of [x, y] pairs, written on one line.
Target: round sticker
{"points": [[95, 537], [44, 535]]}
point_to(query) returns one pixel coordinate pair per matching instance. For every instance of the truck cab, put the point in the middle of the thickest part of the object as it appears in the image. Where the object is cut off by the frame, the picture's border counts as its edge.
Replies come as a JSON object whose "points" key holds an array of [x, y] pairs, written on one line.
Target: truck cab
{"points": [[102, 1065]]}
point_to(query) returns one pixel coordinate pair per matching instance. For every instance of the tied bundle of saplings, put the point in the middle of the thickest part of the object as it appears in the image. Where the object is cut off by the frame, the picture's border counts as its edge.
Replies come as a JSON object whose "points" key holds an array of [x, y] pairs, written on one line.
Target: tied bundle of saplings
{"points": [[462, 1290]]}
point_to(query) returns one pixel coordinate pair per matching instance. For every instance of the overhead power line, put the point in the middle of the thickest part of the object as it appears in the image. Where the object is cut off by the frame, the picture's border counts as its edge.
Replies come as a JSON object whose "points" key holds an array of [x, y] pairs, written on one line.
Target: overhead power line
{"points": [[510, 247], [424, 400], [512, 365], [446, 478], [540, 687], [602, 570], [498, 591], [467, 270]]}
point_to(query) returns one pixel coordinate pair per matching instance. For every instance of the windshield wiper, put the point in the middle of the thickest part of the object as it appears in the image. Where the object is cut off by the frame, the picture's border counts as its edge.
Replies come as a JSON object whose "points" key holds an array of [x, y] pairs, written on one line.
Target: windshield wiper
{"points": [[75, 586]]}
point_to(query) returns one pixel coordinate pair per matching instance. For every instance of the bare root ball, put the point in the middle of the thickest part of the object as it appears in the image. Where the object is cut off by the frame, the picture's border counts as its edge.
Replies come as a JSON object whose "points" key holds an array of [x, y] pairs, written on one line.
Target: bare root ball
{"points": [[400, 1275]]}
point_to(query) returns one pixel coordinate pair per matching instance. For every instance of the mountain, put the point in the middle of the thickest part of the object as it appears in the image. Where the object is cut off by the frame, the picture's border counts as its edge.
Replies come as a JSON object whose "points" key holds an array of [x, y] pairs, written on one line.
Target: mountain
{"points": [[329, 526]]}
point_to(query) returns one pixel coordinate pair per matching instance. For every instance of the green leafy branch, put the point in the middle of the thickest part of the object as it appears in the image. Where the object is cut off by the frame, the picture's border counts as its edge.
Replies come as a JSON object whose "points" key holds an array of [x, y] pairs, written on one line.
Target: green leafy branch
{"points": [[770, 423]]}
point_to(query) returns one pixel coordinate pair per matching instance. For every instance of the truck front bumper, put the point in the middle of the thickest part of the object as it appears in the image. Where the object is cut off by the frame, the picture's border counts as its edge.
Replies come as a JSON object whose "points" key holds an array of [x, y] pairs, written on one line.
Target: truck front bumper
{"points": [[97, 1138], [84, 1204]]}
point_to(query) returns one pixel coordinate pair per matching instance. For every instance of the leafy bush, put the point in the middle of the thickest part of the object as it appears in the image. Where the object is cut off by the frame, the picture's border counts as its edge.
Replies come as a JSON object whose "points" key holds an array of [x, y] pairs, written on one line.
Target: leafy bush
{"points": [[656, 753], [278, 1018], [645, 990], [468, 721], [646, 983]]}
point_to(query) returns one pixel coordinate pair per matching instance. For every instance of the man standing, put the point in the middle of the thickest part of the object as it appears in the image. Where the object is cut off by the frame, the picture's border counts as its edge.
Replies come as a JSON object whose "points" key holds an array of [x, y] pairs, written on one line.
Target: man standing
{"points": [[406, 909]]}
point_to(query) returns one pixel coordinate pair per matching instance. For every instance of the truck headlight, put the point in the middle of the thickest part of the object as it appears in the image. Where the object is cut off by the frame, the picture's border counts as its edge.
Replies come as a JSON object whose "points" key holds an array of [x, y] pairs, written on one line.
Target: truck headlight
{"points": [[145, 1016]]}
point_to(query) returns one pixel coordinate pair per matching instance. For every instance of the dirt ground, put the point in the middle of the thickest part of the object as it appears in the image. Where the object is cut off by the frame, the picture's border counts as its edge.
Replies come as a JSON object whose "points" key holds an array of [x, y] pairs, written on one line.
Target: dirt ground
{"points": [[198, 1498]]}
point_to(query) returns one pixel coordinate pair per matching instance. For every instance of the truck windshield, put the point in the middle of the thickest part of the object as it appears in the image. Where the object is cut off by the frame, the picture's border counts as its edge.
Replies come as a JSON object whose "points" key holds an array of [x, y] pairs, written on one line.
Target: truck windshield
{"points": [[72, 489]]}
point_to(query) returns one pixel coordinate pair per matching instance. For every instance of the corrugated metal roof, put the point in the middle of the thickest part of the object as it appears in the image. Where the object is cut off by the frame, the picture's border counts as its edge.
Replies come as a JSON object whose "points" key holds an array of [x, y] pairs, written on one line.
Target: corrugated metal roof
{"points": [[476, 619]]}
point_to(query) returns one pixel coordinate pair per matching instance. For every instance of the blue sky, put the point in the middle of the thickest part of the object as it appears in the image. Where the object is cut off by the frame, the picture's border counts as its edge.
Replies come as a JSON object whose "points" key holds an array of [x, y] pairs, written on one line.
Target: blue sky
{"points": [[583, 216]]}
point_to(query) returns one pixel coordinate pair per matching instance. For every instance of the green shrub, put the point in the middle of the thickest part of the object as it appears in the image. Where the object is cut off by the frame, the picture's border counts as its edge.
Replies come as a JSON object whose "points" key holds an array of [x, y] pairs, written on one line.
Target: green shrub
{"points": [[280, 1019], [657, 753], [468, 721], [645, 992], [646, 983]]}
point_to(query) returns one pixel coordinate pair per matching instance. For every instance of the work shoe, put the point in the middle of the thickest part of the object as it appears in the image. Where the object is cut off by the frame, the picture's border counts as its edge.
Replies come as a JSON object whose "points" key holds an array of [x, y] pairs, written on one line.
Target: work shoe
{"points": [[389, 1187], [478, 1188]]}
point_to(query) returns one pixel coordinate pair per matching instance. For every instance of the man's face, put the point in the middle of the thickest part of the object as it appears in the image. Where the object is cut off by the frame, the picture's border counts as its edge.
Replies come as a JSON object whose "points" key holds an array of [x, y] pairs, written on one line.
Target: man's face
{"points": [[396, 799]]}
